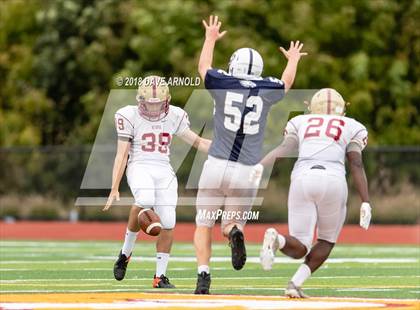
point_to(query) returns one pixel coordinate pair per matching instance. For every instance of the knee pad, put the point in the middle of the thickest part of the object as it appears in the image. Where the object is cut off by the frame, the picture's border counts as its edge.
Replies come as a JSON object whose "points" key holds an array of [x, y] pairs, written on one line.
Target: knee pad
{"points": [[167, 217]]}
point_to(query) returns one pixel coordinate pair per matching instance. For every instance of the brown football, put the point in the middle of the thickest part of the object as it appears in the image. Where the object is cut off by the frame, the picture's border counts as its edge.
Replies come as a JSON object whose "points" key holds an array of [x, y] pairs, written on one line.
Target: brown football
{"points": [[149, 222]]}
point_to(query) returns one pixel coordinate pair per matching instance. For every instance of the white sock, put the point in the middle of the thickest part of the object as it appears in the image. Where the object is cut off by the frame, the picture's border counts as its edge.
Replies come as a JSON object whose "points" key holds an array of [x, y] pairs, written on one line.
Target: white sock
{"points": [[204, 268], [129, 241], [162, 260], [282, 241], [301, 275]]}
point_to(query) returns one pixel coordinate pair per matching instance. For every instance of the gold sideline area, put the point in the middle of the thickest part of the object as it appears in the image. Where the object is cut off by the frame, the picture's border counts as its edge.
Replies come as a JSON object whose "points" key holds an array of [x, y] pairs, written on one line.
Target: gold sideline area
{"points": [[187, 301]]}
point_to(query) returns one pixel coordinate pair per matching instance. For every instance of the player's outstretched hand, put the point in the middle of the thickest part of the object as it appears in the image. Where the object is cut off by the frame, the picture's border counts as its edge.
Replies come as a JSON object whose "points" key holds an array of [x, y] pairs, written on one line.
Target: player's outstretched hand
{"points": [[365, 215], [256, 175], [294, 51], [113, 195], [213, 28]]}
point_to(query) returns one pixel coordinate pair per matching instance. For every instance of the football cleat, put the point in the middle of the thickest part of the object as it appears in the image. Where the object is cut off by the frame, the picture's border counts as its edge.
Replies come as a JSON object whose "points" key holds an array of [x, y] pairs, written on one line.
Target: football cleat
{"points": [[162, 282], [269, 248], [237, 245], [203, 284], [120, 266], [293, 291]]}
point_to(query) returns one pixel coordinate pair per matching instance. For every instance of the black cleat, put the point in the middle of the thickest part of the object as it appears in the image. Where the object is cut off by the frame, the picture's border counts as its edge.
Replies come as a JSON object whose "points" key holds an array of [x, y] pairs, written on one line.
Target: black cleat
{"points": [[203, 284], [120, 266], [237, 245], [162, 282]]}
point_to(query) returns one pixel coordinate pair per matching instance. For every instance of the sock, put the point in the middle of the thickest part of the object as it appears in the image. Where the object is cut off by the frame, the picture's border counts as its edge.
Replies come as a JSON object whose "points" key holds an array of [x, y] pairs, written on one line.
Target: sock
{"points": [[282, 241], [129, 241], [162, 260], [204, 268], [301, 275]]}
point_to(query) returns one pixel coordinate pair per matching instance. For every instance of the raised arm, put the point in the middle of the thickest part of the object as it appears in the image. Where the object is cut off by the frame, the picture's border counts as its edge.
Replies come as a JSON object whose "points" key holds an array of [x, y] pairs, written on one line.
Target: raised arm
{"points": [[195, 140], [293, 55], [212, 35], [117, 172]]}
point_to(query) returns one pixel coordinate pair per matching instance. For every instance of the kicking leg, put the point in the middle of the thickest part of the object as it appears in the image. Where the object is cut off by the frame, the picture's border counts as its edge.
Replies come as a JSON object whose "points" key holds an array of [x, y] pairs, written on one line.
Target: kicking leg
{"points": [[166, 198], [163, 248]]}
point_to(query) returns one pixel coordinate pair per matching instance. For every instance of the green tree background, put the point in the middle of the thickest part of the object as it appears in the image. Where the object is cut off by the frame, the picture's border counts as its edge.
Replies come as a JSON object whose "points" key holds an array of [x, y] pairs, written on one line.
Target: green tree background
{"points": [[59, 58]]}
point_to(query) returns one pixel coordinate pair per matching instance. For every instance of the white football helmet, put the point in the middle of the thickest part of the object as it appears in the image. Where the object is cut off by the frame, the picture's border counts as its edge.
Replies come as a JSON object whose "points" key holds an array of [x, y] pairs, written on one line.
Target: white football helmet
{"points": [[153, 98], [246, 63], [327, 101]]}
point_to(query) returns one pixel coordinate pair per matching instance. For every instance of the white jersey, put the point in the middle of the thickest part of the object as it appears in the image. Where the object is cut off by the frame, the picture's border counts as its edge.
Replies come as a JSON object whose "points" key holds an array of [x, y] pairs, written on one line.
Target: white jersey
{"points": [[150, 141], [323, 140]]}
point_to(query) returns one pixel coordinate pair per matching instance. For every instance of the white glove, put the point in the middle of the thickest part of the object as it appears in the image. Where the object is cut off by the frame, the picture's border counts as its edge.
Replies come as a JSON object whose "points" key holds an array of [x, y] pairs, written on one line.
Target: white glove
{"points": [[256, 174], [365, 215]]}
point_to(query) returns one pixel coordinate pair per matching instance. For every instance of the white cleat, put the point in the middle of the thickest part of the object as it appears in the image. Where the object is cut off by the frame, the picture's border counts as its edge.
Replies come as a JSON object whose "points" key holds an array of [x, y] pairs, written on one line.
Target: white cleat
{"points": [[269, 248], [293, 291]]}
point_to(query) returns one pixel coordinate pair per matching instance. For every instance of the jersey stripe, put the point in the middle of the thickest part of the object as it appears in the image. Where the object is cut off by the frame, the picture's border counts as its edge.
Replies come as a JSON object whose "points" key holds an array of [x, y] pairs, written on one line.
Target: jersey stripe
{"points": [[179, 125], [360, 130], [250, 61], [125, 135], [125, 119], [291, 123]]}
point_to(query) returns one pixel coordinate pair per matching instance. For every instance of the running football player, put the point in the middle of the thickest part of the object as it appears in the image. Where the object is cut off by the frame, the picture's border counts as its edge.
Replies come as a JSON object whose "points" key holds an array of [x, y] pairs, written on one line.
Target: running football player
{"points": [[242, 99], [318, 189], [145, 133]]}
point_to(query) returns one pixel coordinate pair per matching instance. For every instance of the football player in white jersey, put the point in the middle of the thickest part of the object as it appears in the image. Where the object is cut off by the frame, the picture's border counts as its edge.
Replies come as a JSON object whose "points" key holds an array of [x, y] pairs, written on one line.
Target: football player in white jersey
{"points": [[145, 133], [318, 189]]}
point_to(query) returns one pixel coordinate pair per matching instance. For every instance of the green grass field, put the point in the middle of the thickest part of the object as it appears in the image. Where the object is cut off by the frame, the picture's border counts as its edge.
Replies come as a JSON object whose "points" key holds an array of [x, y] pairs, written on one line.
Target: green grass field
{"points": [[352, 271]]}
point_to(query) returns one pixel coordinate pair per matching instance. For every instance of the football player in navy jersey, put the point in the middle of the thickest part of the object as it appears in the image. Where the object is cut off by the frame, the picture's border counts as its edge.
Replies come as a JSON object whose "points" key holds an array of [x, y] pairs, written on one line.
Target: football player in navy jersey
{"points": [[242, 99]]}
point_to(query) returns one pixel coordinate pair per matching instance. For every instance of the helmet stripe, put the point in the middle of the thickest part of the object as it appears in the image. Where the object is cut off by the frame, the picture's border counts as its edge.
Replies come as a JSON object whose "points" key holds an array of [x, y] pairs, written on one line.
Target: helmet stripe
{"points": [[250, 61], [328, 101], [154, 87]]}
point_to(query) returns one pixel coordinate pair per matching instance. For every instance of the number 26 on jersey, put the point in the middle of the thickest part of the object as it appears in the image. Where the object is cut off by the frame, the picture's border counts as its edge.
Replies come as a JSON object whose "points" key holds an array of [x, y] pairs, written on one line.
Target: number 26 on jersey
{"points": [[333, 129]]}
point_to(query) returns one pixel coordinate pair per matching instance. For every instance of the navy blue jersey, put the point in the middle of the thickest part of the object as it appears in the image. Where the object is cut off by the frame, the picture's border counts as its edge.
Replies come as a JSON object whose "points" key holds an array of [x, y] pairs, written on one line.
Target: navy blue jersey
{"points": [[240, 114]]}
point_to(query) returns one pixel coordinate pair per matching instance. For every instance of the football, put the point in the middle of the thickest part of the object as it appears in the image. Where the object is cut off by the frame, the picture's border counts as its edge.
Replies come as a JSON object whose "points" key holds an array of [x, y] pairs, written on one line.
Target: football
{"points": [[149, 222]]}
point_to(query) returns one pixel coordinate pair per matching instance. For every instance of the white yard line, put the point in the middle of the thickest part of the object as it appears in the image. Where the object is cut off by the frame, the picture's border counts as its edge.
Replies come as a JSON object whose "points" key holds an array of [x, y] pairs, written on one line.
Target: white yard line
{"points": [[277, 259], [194, 278], [192, 259], [366, 289]]}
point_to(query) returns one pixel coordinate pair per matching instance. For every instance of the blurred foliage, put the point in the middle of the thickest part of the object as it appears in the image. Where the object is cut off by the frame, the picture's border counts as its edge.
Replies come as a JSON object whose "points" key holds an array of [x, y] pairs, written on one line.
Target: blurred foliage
{"points": [[42, 183], [60, 58]]}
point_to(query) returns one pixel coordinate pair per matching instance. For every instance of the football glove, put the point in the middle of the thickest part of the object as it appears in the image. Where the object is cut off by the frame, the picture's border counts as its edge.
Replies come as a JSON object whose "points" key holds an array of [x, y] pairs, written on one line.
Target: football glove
{"points": [[365, 215], [256, 174]]}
